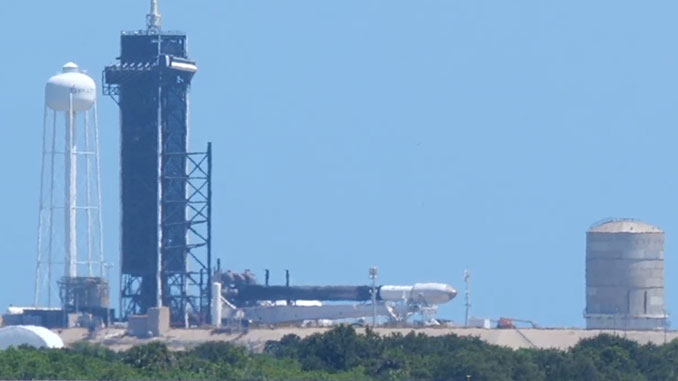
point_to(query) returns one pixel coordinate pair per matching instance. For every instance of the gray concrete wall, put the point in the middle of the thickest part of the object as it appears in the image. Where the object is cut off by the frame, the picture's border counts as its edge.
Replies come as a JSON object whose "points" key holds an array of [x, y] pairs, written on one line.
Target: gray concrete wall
{"points": [[158, 320], [625, 280], [137, 325]]}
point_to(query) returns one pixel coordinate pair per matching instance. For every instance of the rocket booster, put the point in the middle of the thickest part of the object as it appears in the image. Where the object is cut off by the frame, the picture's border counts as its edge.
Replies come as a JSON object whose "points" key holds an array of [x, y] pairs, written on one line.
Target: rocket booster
{"points": [[419, 293]]}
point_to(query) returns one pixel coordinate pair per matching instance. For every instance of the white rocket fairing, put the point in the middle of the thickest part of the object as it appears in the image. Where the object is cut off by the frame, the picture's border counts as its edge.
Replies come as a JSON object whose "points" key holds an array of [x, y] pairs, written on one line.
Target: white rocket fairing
{"points": [[419, 293]]}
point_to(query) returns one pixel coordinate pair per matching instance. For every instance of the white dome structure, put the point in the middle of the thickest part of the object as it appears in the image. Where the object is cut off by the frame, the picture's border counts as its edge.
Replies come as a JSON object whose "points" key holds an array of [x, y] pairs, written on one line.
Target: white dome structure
{"points": [[71, 82], [39, 337]]}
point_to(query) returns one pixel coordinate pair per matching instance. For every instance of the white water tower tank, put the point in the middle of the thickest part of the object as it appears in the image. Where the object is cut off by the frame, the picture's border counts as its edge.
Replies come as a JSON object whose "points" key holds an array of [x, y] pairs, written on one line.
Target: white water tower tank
{"points": [[70, 82]]}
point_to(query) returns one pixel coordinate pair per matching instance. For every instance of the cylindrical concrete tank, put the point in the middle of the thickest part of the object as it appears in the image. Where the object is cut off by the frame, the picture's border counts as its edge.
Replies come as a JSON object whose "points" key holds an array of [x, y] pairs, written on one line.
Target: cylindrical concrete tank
{"points": [[625, 276]]}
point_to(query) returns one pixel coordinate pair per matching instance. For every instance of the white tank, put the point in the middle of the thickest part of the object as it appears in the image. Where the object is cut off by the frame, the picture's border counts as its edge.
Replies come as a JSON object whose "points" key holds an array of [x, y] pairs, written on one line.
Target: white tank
{"points": [[71, 81]]}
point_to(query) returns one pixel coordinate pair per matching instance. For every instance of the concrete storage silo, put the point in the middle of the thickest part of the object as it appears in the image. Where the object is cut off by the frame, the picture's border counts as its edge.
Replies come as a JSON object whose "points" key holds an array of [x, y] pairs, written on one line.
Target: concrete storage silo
{"points": [[625, 276]]}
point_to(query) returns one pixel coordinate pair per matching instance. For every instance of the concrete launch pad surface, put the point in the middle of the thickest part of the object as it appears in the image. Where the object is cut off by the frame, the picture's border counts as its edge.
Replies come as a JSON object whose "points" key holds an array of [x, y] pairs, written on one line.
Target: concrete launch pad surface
{"points": [[255, 339]]}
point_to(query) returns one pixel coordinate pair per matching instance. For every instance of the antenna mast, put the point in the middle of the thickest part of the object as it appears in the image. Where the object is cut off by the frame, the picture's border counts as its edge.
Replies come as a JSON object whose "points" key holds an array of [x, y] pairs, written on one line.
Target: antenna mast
{"points": [[153, 19], [467, 280]]}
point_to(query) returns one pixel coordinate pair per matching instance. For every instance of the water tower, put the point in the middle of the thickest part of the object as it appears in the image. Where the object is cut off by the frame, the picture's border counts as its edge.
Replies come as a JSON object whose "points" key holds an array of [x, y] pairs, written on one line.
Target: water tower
{"points": [[70, 223]]}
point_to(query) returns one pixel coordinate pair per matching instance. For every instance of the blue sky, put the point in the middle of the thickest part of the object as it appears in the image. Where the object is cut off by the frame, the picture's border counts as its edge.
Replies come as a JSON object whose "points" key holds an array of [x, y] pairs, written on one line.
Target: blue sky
{"points": [[423, 137]]}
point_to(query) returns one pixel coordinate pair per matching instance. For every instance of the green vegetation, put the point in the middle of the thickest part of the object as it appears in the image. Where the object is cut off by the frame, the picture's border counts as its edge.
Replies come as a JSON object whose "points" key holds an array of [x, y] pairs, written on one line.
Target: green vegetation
{"points": [[343, 354]]}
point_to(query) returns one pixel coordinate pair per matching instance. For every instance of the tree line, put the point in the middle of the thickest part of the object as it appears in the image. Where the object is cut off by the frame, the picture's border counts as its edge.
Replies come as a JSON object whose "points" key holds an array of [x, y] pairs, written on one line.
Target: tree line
{"points": [[344, 354]]}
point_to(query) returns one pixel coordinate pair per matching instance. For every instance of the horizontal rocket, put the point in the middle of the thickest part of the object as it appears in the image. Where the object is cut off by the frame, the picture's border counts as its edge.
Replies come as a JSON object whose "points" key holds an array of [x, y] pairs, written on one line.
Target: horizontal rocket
{"points": [[419, 293]]}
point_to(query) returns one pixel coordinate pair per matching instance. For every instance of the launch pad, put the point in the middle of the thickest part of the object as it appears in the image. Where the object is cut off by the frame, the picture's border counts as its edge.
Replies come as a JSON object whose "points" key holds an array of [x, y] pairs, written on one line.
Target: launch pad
{"points": [[166, 199]]}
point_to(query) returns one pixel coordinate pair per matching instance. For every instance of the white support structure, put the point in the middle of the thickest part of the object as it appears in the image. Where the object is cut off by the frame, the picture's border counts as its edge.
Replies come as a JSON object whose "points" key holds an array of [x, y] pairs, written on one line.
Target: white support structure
{"points": [[296, 313], [71, 189], [215, 314]]}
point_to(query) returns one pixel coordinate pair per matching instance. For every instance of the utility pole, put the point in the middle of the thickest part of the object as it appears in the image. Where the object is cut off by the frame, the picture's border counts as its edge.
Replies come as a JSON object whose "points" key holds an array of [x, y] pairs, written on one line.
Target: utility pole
{"points": [[373, 277], [467, 281]]}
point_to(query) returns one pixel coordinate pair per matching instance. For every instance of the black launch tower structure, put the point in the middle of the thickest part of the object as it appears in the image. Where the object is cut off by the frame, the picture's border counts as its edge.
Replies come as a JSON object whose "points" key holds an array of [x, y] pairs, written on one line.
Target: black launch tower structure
{"points": [[165, 189]]}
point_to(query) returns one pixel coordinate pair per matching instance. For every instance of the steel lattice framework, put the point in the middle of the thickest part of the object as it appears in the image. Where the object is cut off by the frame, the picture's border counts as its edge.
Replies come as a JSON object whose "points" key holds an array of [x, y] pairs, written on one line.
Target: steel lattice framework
{"points": [[165, 189]]}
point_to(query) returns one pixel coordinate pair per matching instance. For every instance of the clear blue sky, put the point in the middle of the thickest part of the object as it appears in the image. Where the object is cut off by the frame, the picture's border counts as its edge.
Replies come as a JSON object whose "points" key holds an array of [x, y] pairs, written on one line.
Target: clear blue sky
{"points": [[423, 137]]}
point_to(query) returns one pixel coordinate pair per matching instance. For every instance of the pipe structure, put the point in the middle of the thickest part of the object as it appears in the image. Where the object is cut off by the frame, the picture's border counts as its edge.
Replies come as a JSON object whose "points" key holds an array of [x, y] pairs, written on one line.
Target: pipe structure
{"points": [[71, 193], [215, 314]]}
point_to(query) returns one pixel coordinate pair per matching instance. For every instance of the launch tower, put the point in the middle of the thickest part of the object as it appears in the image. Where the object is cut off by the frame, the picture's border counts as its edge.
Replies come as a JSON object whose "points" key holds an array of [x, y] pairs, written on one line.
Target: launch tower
{"points": [[165, 189]]}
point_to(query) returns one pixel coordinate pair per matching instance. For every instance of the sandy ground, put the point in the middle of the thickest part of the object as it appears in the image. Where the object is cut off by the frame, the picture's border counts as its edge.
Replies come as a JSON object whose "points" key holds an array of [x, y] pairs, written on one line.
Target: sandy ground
{"points": [[255, 339]]}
